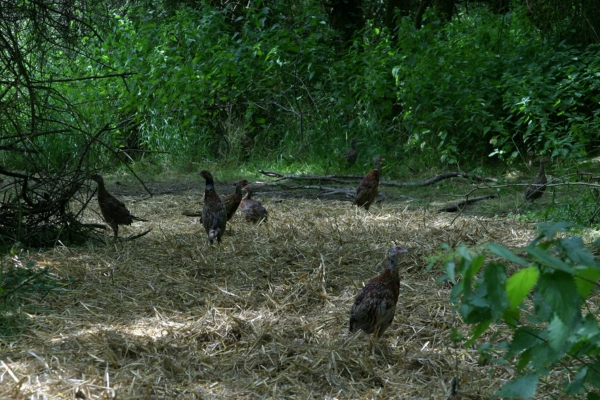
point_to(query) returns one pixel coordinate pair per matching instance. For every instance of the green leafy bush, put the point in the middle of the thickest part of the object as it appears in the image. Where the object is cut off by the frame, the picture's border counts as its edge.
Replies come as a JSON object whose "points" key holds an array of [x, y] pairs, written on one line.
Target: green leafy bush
{"points": [[541, 297], [268, 82], [486, 86]]}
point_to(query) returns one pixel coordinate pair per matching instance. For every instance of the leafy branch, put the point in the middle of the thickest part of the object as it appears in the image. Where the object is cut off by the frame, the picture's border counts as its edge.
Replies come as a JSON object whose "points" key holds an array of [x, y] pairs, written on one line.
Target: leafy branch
{"points": [[542, 303]]}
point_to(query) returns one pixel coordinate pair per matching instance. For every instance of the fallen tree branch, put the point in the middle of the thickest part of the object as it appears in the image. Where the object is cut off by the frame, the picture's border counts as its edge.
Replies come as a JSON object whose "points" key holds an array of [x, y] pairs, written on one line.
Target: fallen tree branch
{"points": [[330, 190], [459, 206], [192, 213], [139, 235], [344, 178]]}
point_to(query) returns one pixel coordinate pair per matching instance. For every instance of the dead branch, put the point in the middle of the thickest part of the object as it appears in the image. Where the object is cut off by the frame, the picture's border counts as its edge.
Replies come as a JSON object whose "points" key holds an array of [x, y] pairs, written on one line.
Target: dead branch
{"points": [[329, 190], [192, 213], [345, 178], [95, 226], [459, 206], [139, 235]]}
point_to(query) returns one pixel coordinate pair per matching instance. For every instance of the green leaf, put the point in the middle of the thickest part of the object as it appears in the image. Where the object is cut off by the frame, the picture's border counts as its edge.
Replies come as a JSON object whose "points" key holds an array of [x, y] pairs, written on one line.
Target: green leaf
{"points": [[593, 376], [558, 334], [545, 258], [585, 279], [512, 317], [524, 338], [494, 277], [577, 252], [558, 289], [475, 266], [543, 311], [519, 285], [543, 356], [588, 327], [576, 386], [450, 266], [523, 387], [506, 254], [524, 359], [477, 331], [456, 335], [551, 229], [475, 314]]}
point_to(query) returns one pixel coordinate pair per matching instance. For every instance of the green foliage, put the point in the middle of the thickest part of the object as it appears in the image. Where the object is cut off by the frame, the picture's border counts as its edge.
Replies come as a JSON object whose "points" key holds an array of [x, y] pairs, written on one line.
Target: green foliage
{"points": [[542, 302], [20, 281], [484, 86], [268, 82]]}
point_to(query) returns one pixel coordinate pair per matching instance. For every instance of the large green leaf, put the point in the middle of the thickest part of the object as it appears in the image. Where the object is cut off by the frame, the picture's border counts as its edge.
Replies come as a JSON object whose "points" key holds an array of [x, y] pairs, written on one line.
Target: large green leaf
{"points": [[543, 357], [585, 279], [559, 290], [524, 338], [558, 333], [477, 331], [577, 252], [523, 387], [507, 254], [494, 277], [519, 285], [576, 386], [544, 257], [475, 266]]}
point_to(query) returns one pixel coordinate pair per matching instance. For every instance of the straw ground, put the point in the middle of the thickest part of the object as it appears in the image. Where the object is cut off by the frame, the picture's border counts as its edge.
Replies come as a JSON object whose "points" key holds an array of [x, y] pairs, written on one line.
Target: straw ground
{"points": [[265, 315]]}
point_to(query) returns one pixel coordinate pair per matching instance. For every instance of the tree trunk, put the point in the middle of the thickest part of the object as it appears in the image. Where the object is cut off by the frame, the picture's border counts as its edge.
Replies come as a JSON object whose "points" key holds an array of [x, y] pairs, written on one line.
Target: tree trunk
{"points": [[347, 17], [444, 9], [419, 17], [500, 6], [391, 15], [590, 21], [575, 21]]}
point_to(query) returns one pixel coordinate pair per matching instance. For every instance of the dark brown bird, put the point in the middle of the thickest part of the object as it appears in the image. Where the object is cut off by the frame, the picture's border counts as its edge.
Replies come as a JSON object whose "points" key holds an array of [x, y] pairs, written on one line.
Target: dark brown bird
{"points": [[374, 307], [368, 187], [232, 201], [214, 214], [352, 154], [113, 210], [538, 187], [252, 210]]}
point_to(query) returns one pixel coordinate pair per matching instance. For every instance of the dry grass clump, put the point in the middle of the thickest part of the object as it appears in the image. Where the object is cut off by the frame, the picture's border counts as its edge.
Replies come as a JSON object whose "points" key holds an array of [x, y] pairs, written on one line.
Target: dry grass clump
{"points": [[263, 316]]}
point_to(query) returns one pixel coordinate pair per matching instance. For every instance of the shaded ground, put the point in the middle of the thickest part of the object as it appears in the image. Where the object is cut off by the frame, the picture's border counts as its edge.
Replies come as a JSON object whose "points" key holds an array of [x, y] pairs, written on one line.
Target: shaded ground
{"points": [[262, 316]]}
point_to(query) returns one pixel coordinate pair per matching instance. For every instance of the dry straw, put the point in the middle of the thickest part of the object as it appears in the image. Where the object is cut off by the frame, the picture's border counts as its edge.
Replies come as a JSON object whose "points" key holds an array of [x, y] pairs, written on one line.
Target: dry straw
{"points": [[265, 315]]}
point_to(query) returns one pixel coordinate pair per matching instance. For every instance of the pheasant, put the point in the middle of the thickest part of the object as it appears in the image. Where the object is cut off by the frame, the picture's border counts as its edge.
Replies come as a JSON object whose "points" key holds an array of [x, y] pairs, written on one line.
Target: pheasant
{"points": [[113, 210], [214, 214], [374, 307], [252, 210], [352, 154], [232, 201], [538, 187], [367, 189]]}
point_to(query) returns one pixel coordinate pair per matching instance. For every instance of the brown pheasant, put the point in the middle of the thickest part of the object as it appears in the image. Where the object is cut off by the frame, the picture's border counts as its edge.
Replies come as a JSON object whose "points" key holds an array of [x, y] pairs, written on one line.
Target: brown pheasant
{"points": [[232, 201], [113, 210], [352, 154], [252, 210], [374, 307], [214, 214], [368, 187], [538, 187]]}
